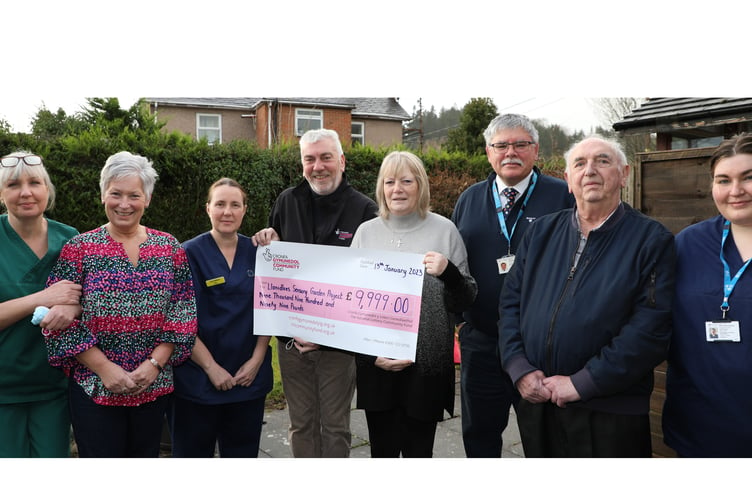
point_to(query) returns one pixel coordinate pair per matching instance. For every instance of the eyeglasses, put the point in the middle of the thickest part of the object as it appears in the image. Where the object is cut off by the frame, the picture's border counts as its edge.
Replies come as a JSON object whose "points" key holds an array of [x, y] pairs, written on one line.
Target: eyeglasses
{"points": [[12, 161], [519, 146]]}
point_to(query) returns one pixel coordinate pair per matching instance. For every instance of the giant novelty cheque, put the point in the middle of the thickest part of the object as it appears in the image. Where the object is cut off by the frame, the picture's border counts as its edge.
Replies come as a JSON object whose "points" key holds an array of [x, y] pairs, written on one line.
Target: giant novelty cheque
{"points": [[359, 300]]}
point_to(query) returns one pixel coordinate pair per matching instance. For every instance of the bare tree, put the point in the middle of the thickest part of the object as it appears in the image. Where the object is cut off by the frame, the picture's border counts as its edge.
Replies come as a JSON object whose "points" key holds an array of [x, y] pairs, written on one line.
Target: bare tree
{"points": [[612, 109]]}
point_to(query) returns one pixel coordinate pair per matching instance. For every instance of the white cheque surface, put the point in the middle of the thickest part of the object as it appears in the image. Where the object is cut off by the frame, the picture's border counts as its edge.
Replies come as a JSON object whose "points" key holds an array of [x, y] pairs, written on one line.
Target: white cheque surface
{"points": [[360, 300]]}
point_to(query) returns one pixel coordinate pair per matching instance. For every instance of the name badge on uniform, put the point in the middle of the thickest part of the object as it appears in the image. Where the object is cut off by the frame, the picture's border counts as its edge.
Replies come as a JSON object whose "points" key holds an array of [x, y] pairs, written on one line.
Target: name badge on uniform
{"points": [[215, 281], [722, 331], [505, 263]]}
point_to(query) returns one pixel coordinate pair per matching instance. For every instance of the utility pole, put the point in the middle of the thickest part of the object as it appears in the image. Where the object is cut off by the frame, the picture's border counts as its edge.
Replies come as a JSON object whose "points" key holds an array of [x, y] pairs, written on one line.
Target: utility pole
{"points": [[420, 125], [420, 121]]}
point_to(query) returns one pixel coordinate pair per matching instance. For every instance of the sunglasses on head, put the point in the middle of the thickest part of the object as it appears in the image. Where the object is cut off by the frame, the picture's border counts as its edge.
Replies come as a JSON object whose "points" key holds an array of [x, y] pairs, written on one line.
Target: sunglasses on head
{"points": [[12, 161]]}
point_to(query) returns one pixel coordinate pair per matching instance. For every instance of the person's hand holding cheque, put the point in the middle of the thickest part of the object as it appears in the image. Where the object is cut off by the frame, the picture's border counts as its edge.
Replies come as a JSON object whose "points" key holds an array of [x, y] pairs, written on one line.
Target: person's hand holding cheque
{"points": [[435, 263], [303, 346], [264, 237], [392, 365]]}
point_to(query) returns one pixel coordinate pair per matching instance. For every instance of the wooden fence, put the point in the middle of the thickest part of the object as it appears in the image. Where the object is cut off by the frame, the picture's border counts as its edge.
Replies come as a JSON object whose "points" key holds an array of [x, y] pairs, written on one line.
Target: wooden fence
{"points": [[673, 187]]}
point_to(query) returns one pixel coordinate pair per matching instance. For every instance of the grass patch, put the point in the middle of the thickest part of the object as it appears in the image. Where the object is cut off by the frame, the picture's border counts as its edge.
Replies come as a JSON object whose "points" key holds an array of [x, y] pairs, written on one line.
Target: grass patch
{"points": [[276, 398]]}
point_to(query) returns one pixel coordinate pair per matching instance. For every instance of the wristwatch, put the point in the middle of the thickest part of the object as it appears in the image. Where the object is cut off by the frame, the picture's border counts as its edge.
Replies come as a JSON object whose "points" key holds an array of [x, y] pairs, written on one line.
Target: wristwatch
{"points": [[155, 363]]}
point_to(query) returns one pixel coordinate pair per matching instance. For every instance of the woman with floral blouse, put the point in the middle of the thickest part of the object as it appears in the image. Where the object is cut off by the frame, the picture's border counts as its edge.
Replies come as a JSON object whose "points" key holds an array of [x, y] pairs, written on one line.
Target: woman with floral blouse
{"points": [[138, 319]]}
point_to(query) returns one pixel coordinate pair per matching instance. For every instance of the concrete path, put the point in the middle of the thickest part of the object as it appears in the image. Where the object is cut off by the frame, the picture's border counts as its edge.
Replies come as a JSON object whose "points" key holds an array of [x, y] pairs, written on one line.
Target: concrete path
{"points": [[448, 444]]}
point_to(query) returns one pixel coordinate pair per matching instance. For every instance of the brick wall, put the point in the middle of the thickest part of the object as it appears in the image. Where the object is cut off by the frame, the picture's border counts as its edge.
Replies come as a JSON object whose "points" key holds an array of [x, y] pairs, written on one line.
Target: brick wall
{"points": [[262, 126], [334, 119]]}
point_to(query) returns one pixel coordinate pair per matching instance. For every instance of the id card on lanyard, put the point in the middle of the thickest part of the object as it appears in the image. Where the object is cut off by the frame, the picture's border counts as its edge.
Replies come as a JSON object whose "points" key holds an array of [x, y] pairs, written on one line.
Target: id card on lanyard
{"points": [[506, 262], [725, 330]]}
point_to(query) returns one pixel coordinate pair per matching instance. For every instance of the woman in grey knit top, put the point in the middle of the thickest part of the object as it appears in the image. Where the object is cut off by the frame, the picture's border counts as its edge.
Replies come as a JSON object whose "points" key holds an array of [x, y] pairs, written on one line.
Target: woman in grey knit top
{"points": [[403, 401]]}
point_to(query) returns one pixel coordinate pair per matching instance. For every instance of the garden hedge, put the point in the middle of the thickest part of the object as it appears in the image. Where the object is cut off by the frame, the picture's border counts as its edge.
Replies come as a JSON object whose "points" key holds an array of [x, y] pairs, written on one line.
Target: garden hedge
{"points": [[187, 168]]}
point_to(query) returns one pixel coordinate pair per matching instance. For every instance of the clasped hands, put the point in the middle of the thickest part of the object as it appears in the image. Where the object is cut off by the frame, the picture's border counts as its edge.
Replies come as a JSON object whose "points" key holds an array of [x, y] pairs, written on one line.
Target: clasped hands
{"points": [[535, 387], [222, 380], [120, 381]]}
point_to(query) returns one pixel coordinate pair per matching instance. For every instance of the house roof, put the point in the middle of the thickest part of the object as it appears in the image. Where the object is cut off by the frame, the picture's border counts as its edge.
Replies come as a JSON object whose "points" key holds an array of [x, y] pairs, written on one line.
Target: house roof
{"points": [[387, 108], [666, 114]]}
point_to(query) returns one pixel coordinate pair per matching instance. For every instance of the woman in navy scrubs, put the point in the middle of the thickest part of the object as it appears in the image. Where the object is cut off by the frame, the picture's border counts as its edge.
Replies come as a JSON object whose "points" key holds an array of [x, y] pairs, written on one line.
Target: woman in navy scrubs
{"points": [[220, 392], [708, 398]]}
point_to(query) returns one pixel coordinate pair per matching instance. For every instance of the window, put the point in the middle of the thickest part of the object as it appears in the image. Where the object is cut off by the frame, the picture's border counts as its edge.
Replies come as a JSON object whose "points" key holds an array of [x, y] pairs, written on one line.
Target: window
{"points": [[705, 142], [695, 142], [679, 143], [308, 119], [209, 126], [357, 133]]}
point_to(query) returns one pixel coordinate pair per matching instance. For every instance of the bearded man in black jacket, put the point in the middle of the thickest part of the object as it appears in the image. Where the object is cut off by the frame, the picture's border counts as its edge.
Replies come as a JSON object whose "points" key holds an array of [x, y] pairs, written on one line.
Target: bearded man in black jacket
{"points": [[319, 381]]}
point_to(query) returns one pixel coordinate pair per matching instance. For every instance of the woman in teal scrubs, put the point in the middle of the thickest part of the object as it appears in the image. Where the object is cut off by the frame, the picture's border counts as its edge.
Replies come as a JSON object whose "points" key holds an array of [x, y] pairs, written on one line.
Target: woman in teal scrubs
{"points": [[220, 392], [34, 419]]}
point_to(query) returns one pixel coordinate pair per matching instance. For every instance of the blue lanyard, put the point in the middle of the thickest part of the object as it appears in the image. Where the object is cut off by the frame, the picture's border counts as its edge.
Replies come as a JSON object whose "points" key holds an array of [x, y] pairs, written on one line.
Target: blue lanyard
{"points": [[508, 234], [728, 283]]}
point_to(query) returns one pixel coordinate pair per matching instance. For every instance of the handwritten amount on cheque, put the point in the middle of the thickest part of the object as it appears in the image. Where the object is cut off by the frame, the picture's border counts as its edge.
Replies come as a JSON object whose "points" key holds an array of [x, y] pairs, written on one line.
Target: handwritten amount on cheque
{"points": [[293, 298]]}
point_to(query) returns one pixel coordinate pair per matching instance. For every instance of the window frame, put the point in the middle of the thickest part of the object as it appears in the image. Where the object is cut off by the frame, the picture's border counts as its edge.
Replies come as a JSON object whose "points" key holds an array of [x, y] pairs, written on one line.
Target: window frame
{"points": [[200, 129], [361, 137], [300, 115]]}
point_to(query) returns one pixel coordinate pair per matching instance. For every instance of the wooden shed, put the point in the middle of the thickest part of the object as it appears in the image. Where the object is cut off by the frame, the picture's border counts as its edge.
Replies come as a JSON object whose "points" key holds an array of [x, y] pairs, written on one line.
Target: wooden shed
{"points": [[673, 185], [689, 122]]}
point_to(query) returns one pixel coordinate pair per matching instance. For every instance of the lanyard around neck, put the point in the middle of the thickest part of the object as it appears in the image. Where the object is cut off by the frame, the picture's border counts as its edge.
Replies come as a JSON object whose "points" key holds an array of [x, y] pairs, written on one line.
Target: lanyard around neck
{"points": [[728, 282], [502, 222]]}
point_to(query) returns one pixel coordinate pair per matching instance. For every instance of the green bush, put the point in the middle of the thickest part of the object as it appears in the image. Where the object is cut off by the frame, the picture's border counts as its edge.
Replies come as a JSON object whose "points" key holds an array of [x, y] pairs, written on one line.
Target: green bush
{"points": [[187, 168]]}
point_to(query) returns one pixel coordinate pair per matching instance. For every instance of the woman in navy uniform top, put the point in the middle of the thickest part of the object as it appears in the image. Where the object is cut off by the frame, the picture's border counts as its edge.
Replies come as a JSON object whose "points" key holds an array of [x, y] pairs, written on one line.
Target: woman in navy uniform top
{"points": [[708, 399], [220, 392]]}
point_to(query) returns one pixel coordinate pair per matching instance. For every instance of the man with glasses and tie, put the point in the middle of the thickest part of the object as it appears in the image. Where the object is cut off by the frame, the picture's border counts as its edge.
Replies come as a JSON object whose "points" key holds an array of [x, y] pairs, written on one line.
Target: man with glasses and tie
{"points": [[492, 216]]}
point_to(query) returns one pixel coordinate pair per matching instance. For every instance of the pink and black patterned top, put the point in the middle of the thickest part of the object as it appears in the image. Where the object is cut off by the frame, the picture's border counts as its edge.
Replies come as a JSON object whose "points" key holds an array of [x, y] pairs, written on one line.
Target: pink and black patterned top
{"points": [[127, 310]]}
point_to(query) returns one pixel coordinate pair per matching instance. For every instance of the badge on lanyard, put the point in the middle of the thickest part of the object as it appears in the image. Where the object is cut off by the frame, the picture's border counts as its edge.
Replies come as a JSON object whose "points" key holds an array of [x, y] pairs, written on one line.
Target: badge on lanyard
{"points": [[722, 331], [505, 263], [725, 330]]}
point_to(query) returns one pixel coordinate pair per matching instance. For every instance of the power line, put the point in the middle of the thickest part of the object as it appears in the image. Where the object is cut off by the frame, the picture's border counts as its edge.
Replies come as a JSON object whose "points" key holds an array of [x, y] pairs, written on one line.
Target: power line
{"points": [[547, 104], [521, 102]]}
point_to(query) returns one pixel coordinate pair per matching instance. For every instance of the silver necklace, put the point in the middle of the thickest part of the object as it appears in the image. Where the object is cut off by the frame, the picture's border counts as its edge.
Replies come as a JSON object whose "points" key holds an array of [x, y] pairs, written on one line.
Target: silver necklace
{"points": [[398, 241], [397, 238]]}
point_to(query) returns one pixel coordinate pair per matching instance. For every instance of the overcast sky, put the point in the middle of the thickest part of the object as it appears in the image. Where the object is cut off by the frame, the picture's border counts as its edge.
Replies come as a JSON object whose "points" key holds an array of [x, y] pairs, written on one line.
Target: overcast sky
{"points": [[58, 53], [574, 113]]}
